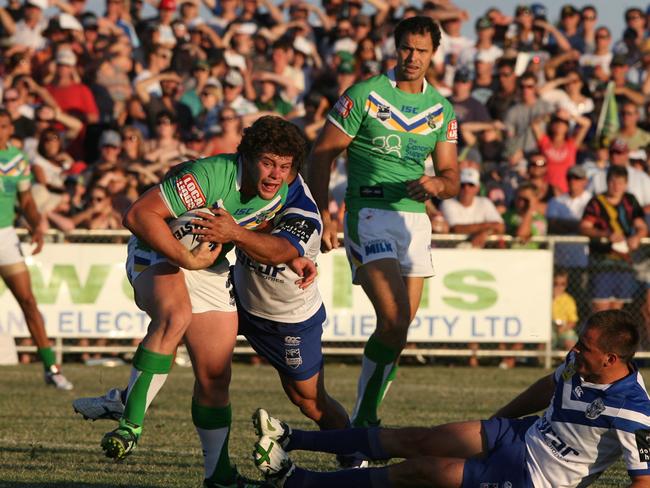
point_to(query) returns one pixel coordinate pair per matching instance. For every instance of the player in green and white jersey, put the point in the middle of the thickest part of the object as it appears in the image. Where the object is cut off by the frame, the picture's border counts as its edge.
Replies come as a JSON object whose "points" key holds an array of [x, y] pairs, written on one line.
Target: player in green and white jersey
{"points": [[188, 295], [15, 183], [389, 124]]}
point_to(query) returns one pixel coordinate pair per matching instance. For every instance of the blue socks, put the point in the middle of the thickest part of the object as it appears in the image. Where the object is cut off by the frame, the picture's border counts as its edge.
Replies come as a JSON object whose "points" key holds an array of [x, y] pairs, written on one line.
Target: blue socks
{"points": [[346, 441]]}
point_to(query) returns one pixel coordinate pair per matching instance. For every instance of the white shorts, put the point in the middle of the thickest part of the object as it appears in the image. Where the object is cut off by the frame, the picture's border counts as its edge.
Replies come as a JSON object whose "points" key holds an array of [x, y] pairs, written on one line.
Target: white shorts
{"points": [[10, 252], [209, 289], [374, 234]]}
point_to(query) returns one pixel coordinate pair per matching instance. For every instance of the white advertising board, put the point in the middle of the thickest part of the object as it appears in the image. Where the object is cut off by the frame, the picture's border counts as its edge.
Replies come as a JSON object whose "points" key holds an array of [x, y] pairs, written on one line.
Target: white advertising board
{"points": [[476, 296]]}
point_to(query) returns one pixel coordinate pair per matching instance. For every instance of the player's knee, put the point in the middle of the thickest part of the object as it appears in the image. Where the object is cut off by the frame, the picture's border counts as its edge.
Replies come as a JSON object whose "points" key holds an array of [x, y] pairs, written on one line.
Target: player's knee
{"points": [[174, 320], [310, 407], [27, 303]]}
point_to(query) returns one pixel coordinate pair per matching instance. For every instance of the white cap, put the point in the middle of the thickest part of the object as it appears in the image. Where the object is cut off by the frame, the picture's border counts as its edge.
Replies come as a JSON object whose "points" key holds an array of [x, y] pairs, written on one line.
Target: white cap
{"points": [[471, 176], [234, 78], [303, 45], [346, 44], [246, 28], [42, 4], [69, 22], [235, 60]]}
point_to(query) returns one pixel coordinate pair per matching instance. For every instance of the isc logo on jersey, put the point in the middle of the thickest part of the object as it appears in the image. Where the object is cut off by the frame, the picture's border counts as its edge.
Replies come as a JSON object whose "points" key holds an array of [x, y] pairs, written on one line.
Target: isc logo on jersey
{"points": [[344, 106], [189, 192]]}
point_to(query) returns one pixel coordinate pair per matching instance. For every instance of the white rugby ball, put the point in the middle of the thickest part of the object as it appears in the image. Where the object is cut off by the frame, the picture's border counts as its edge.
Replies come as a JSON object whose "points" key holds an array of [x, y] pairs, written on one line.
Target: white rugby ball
{"points": [[182, 227]]}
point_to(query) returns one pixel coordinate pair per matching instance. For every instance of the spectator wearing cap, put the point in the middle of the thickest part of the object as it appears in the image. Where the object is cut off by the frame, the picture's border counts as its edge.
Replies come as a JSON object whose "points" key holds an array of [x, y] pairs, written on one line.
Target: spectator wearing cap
{"points": [[560, 146], [537, 175], [506, 94], [563, 214], [163, 30], [466, 108], [614, 221], [570, 27], [29, 30], [519, 35], [346, 75], [233, 85], [170, 84], [630, 132], [470, 213], [361, 27], [484, 46], [521, 139], [623, 89], [484, 82], [597, 63], [638, 182]]}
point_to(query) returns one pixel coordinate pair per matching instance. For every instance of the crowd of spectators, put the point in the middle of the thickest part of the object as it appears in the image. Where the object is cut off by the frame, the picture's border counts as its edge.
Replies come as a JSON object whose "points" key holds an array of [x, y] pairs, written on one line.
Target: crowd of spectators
{"points": [[103, 105]]}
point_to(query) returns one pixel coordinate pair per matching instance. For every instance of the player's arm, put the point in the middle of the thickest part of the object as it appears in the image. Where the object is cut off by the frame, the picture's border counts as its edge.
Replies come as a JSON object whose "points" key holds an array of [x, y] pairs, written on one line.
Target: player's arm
{"points": [[146, 218], [446, 182], [331, 142], [34, 219], [263, 248], [535, 398]]}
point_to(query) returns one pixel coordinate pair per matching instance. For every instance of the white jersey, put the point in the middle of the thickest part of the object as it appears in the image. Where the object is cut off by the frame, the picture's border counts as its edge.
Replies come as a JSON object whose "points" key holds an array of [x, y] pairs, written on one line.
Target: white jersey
{"points": [[270, 291], [481, 211], [587, 428]]}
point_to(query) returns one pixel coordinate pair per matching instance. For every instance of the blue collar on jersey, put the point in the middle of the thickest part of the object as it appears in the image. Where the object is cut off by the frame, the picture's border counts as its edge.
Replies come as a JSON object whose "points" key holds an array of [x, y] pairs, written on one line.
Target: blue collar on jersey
{"points": [[393, 81]]}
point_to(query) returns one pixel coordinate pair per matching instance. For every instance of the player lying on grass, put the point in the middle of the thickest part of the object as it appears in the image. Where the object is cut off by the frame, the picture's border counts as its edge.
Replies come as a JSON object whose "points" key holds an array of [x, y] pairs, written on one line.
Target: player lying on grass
{"points": [[597, 408], [281, 321]]}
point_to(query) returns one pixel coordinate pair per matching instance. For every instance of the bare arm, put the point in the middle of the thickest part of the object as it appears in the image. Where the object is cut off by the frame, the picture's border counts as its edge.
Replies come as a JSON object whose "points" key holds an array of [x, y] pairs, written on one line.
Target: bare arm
{"points": [[34, 219], [7, 22], [633, 95], [584, 123], [491, 227], [640, 482], [535, 398], [146, 219], [330, 143], [273, 10]]}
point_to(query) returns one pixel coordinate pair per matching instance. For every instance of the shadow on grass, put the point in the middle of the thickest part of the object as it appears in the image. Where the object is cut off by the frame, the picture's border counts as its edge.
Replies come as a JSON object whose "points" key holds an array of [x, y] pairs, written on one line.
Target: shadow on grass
{"points": [[67, 484]]}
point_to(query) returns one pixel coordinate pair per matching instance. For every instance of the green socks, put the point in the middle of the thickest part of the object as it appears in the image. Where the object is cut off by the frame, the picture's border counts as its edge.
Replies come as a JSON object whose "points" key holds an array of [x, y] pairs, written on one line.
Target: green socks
{"points": [[47, 356], [213, 426], [378, 369], [148, 375]]}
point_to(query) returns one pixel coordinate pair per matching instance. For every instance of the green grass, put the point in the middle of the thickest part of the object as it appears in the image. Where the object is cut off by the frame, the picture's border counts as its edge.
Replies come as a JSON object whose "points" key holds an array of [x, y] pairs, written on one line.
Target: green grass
{"points": [[43, 444]]}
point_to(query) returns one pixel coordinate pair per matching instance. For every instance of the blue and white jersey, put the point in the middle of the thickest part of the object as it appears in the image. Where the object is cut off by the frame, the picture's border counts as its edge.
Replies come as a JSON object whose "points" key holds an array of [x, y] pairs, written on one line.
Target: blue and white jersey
{"points": [[270, 291], [587, 428]]}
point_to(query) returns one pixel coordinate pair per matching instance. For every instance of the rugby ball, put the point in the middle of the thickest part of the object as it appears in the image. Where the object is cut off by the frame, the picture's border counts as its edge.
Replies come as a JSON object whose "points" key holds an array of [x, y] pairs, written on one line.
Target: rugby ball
{"points": [[182, 227]]}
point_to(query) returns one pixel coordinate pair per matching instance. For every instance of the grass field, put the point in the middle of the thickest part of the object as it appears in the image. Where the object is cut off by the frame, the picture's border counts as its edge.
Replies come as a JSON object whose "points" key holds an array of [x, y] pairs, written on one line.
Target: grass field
{"points": [[43, 444]]}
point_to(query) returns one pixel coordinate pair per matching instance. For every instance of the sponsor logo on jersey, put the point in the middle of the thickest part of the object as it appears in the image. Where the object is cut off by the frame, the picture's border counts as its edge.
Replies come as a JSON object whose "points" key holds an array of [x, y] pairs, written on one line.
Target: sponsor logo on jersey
{"points": [[559, 448], [378, 247], [292, 341], [406, 120], [507, 484], [595, 408], [344, 106], [189, 192], [383, 112], [292, 357], [303, 229], [643, 444], [452, 130], [391, 144], [578, 391], [371, 192], [489, 485]]}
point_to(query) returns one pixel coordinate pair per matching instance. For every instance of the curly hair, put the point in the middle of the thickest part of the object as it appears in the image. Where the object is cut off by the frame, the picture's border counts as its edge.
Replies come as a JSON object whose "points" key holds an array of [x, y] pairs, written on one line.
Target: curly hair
{"points": [[271, 134]]}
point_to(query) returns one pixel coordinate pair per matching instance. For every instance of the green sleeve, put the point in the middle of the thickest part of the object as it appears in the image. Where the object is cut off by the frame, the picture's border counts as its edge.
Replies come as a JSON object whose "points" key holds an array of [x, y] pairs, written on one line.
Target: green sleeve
{"points": [[350, 110], [195, 184]]}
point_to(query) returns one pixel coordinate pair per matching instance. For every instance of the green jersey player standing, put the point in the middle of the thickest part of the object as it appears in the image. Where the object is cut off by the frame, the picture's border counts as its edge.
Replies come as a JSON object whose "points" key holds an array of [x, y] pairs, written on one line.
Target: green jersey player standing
{"points": [[15, 183], [389, 124]]}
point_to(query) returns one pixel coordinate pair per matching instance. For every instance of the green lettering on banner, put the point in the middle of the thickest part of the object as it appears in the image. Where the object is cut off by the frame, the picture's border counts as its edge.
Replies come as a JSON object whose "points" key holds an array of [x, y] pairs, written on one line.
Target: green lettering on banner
{"points": [[47, 294], [424, 299], [481, 297], [342, 283]]}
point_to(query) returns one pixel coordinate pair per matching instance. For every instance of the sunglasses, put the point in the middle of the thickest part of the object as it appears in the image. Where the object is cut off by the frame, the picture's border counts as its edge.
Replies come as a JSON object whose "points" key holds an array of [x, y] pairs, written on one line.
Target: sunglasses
{"points": [[588, 17], [629, 112], [164, 122], [526, 86], [97, 198], [12, 99], [227, 117], [505, 74]]}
